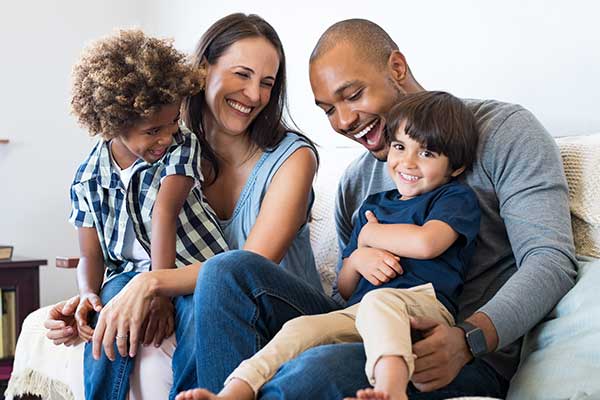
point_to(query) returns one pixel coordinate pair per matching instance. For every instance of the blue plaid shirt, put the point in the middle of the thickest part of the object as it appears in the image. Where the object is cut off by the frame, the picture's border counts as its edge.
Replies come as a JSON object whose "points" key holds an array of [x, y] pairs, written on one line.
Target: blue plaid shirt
{"points": [[100, 200]]}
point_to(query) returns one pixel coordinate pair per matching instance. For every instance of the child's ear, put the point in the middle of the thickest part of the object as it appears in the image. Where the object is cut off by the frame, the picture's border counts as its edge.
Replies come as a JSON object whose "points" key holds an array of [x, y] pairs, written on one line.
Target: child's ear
{"points": [[457, 172]]}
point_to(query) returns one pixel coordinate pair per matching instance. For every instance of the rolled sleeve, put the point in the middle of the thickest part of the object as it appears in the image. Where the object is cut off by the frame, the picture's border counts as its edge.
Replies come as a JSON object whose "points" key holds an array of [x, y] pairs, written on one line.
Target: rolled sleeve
{"points": [[184, 158], [81, 214]]}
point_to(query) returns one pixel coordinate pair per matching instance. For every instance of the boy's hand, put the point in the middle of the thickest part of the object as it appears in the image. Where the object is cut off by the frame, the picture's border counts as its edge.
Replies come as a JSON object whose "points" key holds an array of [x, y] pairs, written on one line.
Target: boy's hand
{"points": [[89, 302], [61, 325], [160, 323], [375, 265], [364, 232]]}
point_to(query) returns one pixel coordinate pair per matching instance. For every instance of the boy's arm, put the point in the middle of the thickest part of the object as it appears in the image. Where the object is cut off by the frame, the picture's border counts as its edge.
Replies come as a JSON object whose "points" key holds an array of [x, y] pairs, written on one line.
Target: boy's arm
{"points": [[408, 240], [173, 192], [90, 273]]}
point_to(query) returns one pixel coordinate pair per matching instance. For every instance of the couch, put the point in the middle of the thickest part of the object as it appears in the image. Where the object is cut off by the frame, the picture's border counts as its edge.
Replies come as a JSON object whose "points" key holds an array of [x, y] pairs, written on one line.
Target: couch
{"points": [[560, 357]]}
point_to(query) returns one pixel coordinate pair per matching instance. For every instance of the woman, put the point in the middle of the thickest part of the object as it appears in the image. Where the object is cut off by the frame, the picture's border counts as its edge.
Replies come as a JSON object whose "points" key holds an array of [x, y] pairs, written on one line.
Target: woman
{"points": [[249, 156]]}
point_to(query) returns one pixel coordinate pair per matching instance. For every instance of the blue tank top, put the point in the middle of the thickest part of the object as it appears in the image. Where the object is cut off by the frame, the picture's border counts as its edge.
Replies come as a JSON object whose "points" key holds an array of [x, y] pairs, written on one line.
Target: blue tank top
{"points": [[299, 259]]}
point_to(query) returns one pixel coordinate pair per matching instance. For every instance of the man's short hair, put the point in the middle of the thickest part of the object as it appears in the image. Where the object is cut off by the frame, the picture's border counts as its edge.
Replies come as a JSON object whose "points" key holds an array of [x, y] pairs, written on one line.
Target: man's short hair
{"points": [[438, 121], [369, 39]]}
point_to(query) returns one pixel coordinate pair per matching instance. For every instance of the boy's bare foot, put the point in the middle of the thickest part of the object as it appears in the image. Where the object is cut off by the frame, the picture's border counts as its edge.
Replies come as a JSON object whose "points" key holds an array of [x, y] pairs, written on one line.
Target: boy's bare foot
{"points": [[196, 394], [374, 394]]}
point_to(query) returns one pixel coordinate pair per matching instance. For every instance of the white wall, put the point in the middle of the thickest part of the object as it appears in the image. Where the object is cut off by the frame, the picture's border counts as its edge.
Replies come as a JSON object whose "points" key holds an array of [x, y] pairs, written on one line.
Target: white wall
{"points": [[39, 41], [542, 54]]}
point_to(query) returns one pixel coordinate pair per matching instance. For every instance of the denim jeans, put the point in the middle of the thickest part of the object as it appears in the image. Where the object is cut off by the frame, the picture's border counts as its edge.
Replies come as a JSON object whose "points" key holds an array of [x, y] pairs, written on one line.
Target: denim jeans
{"points": [[243, 299], [105, 379]]}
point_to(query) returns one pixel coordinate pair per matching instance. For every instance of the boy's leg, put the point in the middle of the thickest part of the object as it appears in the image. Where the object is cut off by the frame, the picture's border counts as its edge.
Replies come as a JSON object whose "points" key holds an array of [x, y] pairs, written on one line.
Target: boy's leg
{"points": [[296, 336], [105, 379], [241, 301], [184, 357], [383, 321]]}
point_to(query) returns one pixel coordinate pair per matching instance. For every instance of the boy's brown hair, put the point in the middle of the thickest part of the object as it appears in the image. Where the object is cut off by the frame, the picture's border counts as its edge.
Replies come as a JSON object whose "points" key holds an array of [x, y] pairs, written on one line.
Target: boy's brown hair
{"points": [[127, 77], [440, 122]]}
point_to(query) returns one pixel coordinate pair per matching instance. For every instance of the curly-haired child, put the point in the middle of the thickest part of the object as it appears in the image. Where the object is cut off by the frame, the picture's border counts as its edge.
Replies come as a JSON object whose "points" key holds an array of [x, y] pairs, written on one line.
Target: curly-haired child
{"points": [[136, 200]]}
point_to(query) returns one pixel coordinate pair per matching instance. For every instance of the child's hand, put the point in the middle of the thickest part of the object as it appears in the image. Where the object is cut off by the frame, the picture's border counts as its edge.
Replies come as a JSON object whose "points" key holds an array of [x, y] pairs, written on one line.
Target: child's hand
{"points": [[160, 323], [375, 265], [89, 302], [364, 232], [61, 324]]}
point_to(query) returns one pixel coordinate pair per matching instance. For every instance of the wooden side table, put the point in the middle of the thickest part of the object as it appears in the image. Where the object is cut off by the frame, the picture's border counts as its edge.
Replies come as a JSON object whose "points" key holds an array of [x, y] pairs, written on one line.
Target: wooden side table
{"points": [[21, 274]]}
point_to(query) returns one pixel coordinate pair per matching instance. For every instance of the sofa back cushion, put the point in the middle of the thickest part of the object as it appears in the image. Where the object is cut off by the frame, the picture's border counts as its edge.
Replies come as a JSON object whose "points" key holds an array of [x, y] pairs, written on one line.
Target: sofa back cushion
{"points": [[581, 160]]}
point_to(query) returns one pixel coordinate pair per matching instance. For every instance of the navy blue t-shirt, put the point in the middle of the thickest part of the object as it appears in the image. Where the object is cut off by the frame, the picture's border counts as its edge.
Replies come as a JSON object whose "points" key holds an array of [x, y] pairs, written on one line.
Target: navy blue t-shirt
{"points": [[453, 203]]}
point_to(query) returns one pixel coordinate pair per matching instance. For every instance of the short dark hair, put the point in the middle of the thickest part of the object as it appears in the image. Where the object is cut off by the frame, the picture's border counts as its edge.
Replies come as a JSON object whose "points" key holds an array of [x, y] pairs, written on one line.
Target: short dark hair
{"points": [[371, 40], [440, 122], [269, 127]]}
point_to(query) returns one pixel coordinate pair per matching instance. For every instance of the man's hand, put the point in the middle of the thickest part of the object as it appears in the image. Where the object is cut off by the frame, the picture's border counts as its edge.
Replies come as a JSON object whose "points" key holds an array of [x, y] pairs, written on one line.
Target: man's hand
{"points": [[160, 323], [375, 265], [89, 302], [61, 324], [441, 354]]}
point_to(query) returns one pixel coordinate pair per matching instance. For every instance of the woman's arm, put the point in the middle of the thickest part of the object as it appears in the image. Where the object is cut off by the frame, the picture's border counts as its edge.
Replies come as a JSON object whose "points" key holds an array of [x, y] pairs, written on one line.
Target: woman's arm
{"points": [[284, 208]]}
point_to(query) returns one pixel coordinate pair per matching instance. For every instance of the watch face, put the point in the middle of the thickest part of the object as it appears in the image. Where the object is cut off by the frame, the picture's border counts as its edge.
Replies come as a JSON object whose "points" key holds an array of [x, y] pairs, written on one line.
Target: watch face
{"points": [[476, 341]]}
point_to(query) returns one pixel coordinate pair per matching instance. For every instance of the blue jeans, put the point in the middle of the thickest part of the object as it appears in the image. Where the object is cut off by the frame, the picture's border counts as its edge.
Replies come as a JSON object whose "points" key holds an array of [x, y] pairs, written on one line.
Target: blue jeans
{"points": [[241, 302], [105, 379]]}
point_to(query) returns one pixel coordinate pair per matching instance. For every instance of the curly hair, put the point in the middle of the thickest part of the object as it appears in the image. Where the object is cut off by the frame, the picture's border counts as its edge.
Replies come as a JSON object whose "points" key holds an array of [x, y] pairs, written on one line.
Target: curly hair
{"points": [[127, 77]]}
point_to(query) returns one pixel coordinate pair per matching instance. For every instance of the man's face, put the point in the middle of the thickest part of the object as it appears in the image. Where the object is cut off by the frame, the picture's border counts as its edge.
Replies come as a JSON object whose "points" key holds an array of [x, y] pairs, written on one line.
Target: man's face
{"points": [[354, 95]]}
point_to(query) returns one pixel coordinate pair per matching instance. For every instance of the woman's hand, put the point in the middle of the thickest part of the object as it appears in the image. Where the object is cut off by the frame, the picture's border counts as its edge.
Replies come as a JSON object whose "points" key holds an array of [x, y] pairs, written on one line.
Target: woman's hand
{"points": [[122, 317], [61, 324]]}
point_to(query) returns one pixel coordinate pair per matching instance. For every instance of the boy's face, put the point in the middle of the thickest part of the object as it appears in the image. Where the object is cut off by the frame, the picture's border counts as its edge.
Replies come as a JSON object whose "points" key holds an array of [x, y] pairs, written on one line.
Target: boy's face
{"points": [[149, 139], [414, 169]]}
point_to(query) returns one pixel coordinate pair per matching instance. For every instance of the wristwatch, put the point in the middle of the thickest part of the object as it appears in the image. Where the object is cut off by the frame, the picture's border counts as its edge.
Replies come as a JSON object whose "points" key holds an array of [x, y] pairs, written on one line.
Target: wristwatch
{"points": [[475, 339]]}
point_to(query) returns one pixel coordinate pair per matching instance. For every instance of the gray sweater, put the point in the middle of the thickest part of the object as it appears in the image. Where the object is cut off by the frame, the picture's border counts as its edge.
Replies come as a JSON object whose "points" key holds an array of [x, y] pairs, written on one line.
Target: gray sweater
{"points": [[524, 260]]}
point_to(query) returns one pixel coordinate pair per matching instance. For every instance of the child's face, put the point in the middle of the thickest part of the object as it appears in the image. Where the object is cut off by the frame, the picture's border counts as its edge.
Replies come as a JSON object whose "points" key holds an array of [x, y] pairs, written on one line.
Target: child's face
{"points": [[414, 169], [148, 139]]}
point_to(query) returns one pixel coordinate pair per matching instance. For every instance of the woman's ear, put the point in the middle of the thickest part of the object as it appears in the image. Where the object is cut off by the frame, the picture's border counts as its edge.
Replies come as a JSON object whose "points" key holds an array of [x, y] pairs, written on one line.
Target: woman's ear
{"points": [[398, 68]]}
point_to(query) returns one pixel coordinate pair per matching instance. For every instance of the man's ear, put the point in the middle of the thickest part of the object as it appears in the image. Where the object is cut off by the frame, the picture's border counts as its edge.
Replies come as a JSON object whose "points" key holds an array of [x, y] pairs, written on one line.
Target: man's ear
{"points": [[398, 68], [457, 172]]}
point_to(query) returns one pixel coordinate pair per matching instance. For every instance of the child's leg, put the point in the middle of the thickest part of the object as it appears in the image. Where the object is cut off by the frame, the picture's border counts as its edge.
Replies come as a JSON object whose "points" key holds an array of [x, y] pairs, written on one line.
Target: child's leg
{"points": [[295, 336], [383, 321], [105, 379], [184, 358]]}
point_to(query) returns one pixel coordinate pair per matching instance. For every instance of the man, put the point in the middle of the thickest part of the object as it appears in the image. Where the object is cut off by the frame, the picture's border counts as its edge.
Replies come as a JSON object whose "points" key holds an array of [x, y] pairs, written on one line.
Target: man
{"points": [[525, 245]]}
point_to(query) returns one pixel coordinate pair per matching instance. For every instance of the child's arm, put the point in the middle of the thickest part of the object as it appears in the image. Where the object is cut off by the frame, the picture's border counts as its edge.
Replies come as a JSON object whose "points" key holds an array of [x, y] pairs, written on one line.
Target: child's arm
{"points": [[173, 192], [407, 240], [376, 265], [90, 273]]}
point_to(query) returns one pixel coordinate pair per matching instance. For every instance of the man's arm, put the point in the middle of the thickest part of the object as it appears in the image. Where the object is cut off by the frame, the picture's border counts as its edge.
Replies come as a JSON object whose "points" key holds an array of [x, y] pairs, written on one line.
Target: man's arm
{"points": [[526, 168]]}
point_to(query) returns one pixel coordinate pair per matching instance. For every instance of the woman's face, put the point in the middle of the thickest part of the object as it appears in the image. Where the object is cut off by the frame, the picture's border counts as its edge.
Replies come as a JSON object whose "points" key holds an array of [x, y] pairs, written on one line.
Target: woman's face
{"points": [[239, 84]]}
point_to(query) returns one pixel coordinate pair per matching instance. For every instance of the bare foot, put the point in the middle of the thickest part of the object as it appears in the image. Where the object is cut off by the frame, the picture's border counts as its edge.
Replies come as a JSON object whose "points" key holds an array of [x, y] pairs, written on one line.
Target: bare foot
{"points": [[373, 394], [196, 394]]}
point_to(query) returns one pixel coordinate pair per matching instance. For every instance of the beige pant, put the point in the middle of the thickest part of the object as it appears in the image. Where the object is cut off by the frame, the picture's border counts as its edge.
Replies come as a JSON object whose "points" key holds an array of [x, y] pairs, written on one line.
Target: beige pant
{"points": [[380, 320]]}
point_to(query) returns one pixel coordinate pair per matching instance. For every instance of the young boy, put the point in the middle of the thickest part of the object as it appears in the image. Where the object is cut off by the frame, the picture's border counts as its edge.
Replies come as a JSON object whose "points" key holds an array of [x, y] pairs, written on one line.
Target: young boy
{"points": [[136, 199], [407, 256]]}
